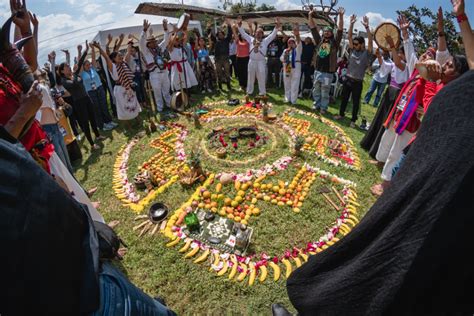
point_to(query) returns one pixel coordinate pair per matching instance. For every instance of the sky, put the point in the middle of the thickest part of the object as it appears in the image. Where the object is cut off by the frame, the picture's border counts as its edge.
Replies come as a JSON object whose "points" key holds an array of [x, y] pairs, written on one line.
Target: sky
{"points": [[63, 22]]}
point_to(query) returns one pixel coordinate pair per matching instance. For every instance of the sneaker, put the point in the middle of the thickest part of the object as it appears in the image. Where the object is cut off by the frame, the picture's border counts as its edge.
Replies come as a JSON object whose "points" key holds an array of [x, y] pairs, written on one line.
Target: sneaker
{"points": [[353, 124], [107, 127]]}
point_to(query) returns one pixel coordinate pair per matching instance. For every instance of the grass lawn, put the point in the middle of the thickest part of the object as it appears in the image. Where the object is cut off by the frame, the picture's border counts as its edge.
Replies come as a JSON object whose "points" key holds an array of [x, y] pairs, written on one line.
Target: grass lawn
{"points": [[190, 288]]}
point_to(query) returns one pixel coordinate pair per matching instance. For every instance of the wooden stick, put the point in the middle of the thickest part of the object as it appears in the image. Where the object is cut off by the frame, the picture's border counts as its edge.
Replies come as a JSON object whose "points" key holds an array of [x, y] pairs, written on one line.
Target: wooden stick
{"points": [[140, 217], [330, 201], [141, 225], [145, 229], [338, 195], [152, 232]]}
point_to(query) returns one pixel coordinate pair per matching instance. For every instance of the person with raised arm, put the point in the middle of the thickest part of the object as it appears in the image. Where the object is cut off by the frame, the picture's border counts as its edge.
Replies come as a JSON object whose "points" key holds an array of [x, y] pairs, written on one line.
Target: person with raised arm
{"points": [[325, 59], [359, 61], [156, 58], [398, 71], [466, 31], [221, 52], [242, 58], [182, 73], [291, 59], [405, 116], [82, 104], [95, 90], [258, 50], [128, 107]]}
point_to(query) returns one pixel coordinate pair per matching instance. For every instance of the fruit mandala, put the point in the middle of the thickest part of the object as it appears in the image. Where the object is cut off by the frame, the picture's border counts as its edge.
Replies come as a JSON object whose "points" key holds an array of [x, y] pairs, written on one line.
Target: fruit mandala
{"points": [[231, 197]]}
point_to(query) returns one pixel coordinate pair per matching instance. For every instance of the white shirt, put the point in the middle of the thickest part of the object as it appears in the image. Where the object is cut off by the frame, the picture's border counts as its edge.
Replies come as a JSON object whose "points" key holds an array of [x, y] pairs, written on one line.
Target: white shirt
{"points": [[397, 75], [146, 53], [262, 50]]}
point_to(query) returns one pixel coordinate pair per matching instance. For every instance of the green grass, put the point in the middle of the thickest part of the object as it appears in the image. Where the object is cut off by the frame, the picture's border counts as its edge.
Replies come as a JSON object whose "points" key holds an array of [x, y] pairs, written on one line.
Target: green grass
{"points": [[189, 288]]}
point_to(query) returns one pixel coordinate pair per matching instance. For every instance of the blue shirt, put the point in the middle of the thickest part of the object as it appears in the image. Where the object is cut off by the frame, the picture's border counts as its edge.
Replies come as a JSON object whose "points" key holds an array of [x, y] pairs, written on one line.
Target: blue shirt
{"points": [[91, 79], [203, 54]]}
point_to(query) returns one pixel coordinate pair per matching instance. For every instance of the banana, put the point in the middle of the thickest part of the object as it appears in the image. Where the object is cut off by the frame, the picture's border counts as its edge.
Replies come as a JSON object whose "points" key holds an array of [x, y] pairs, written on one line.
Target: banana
{"points": [[350, 221], [335, 239], [304, 256], [173, 242], [186, 246], [202, 257], [243, 274], [217, 258], [346, 227], [288, 267], [355, 219], [343, 231], [324, 247], [224, 268], [253, 273], [312, 253], [297, 261], [276, 270], [192, 253], [264, 273], [330, 243], [233, 271]]}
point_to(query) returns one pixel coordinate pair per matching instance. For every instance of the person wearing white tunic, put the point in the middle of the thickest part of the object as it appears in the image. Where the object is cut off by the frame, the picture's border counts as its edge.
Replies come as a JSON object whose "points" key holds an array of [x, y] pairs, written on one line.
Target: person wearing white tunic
{"points": [[128, 107], [291, 59], [182, 74], [258, 50], [156, 64]]}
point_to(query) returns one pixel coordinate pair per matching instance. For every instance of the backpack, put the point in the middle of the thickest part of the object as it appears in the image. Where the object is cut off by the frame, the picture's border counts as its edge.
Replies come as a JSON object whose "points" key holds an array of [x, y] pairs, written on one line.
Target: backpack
{"points": [[109, 242]]}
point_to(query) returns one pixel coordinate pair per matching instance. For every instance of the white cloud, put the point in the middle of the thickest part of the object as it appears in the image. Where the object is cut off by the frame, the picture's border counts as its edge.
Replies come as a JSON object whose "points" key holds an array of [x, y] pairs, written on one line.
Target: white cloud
{"points": [[91, 8], [375, 19], [286, 5]]}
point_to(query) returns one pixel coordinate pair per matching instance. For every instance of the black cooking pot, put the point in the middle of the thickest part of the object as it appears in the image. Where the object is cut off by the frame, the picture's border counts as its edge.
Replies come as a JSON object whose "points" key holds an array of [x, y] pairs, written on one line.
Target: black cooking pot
{"points": [[158, 212]]}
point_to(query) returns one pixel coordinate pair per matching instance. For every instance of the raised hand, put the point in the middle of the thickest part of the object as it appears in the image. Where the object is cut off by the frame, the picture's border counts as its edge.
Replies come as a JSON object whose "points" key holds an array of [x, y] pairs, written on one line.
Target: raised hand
{"points": [[33, 19], [278, 23], [440, 20], [31, 101], [404, 23], [79, 48], [353, 19], [435, 71], [65, 51], [146, 25], [365, 22], [21, 16], [121, 37], [239, 21], [341, 11], [390, 41], [165, 24], [458, 7], [109, 38]]}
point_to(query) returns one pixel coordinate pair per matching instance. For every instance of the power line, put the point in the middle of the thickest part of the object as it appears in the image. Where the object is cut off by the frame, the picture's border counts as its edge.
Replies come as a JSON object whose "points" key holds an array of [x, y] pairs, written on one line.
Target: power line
{"points": [[71, 32]]}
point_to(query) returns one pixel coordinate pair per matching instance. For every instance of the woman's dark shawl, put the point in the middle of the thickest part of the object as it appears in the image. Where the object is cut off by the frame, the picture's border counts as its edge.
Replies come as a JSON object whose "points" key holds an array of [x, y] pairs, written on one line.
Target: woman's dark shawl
{"points": [[410, 254]]}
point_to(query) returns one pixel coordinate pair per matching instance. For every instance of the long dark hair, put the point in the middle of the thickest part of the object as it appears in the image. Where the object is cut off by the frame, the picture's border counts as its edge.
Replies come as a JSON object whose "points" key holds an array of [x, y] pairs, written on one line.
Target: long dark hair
{"points": [[112, 56]]}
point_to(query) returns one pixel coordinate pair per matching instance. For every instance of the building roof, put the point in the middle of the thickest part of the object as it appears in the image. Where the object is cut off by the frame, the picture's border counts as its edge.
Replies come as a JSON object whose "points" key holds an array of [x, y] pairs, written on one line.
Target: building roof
{"points": [[173, 8]]}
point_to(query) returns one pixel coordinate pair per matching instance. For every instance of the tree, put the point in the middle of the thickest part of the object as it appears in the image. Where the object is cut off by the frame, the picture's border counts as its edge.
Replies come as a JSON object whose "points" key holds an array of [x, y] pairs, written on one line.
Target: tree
{"points": [[424, 28], [244, 6]]}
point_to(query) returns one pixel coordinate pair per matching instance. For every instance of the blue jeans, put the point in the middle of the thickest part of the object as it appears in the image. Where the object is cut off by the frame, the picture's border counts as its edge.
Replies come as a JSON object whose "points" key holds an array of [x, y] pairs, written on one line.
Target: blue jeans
{"points": [[57, 139], [118, 296], [321, 88], [375, 85], [101, 110]]}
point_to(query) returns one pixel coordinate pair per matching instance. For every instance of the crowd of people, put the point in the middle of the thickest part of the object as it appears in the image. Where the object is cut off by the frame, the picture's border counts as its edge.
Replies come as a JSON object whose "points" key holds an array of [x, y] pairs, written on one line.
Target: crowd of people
{"points": [[421, 137]]}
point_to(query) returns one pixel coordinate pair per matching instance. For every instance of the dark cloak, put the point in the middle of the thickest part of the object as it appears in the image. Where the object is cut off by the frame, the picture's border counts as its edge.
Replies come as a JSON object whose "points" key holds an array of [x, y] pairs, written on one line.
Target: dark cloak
{"points": [[410, 255], [371, 140], [49, 262]]}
